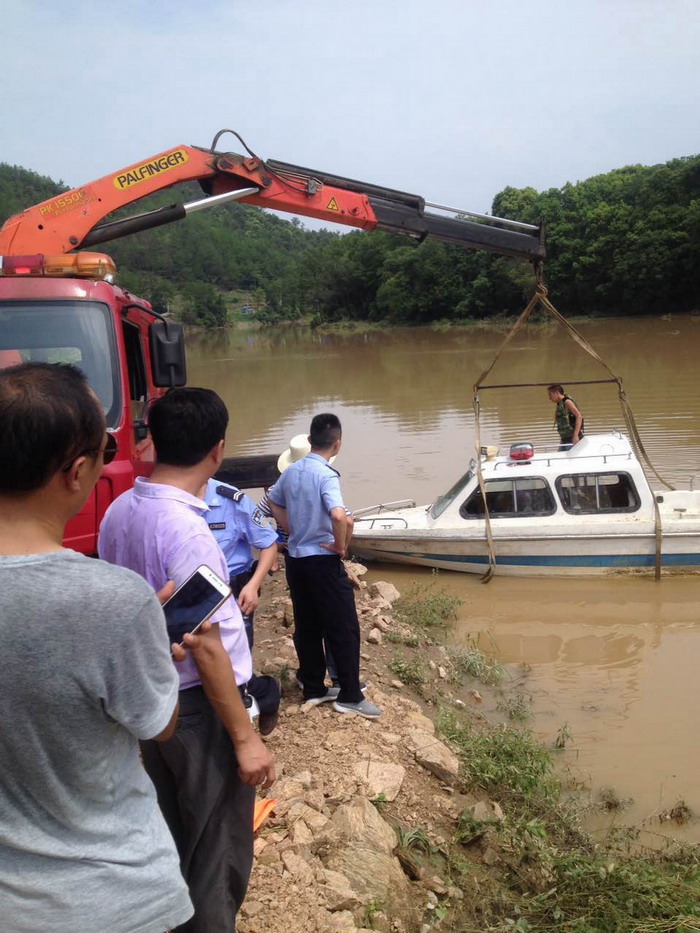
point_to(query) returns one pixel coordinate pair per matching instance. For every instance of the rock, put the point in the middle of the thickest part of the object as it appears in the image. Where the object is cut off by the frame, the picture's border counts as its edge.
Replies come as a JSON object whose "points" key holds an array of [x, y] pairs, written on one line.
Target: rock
{"points": [[341, 922], [381, 605], [416, 720], [390, 738], [384, 590], [373, 876], [382, 623], [250, 908], [435, 884], [490, 855], [301, 835], [375, 637], [359, 822], [273, 665], [475, 696], [434, 756], [397, 685], [298, 867], [380, 924], [336, 738], [381, 777], [259, 845], [336, 891], [410, 864], [485, 811], [442, 673], [269, 857], [354, 572], [432, 665], [287, 788], [315, 799], [460, 704], [302, 811]]}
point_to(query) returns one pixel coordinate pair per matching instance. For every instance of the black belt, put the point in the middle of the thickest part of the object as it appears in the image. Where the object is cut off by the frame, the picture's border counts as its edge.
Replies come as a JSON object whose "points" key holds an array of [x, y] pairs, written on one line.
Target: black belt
{"points": [[194, 698], [238, 580]]}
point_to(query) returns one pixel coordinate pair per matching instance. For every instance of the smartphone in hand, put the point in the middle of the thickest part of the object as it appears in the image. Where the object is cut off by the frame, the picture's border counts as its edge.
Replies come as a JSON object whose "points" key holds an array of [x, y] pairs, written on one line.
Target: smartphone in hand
{"points": [[193, 602]]}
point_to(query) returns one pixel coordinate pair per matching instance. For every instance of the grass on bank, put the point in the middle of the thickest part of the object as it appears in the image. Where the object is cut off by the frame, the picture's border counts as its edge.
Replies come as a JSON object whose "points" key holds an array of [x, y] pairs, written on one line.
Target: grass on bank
{"points": [[544, 873], [470, 661], [552, 875], [426, 610]]}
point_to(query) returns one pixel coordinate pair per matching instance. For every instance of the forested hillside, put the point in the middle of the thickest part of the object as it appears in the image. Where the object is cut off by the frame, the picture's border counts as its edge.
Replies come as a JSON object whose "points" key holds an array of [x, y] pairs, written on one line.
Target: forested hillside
{"points": [[627, 242]]}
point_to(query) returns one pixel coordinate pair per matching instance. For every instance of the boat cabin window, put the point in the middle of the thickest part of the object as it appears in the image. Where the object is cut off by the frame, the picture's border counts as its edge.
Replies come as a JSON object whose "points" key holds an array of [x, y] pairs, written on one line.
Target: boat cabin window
{"points": [[511, 498], [586, 493], [440, 504]]}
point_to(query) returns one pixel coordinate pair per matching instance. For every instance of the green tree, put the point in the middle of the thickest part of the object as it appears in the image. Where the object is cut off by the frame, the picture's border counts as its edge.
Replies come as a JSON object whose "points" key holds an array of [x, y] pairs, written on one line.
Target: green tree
{"points": [[204, 306]]}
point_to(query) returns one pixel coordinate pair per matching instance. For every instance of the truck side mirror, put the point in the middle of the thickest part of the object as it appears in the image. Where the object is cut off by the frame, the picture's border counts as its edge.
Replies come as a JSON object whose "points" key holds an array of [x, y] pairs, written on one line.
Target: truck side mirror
{"points": [[167, 344]]}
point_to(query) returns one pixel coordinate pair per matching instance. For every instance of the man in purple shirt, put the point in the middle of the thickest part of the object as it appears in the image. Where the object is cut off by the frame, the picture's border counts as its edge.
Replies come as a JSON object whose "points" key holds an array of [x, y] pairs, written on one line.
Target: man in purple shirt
{"points": [[206, 774]]}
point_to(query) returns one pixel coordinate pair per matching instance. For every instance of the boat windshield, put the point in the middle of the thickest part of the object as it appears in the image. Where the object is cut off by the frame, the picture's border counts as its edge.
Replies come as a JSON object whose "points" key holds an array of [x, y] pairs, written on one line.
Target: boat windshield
{"points": [[441, 503], [79, 332]]}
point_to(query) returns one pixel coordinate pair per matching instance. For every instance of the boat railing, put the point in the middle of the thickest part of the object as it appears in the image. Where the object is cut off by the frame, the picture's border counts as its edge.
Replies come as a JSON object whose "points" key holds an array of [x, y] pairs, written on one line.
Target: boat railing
{"points": [[599, 455], [371, 520], [385, 507]]}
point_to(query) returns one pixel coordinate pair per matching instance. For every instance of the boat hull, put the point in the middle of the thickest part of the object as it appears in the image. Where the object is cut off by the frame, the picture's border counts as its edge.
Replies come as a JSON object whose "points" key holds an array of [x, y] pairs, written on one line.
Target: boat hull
{"points": [[558, 555]]}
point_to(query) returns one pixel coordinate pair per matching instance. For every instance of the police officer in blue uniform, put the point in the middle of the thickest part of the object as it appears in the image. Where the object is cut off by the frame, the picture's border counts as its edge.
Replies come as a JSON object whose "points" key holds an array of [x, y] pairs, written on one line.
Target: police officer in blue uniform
{"points": [[238, 526]]}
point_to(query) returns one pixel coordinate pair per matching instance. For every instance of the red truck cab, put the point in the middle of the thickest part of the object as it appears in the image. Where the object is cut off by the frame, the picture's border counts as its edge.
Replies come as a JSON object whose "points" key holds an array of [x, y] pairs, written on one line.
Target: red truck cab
{"points": [[126, 350]]}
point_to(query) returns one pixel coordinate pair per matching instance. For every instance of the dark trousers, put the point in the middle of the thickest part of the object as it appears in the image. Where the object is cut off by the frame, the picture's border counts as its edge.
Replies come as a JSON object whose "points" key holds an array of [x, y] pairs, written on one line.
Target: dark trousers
{"points": [[237, 582], [209, 812], [324, 607], [265, 689]]}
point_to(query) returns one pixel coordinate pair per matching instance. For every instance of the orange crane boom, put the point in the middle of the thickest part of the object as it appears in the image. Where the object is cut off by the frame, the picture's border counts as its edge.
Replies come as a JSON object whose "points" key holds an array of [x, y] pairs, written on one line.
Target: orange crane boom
{"points": [[75, 219]]}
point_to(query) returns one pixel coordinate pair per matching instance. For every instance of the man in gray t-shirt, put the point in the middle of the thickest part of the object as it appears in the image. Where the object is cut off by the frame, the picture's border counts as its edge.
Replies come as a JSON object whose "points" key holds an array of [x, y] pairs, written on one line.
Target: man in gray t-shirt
{"points": [[86, 672]]}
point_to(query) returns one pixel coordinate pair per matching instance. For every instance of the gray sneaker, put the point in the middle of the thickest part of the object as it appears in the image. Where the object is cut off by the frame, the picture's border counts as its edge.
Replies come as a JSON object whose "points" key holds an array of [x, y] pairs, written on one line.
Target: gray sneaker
{"points": [[364, 708], [331, 694]]}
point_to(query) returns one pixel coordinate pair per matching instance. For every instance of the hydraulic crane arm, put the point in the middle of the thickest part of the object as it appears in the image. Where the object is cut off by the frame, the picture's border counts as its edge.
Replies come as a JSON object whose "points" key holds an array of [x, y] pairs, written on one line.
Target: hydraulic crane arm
{"points": [[75, 219]]}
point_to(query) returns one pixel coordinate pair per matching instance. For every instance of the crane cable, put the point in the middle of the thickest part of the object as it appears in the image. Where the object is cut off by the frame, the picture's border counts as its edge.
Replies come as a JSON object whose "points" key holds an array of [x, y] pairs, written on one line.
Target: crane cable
{"points": [[540, 297]]}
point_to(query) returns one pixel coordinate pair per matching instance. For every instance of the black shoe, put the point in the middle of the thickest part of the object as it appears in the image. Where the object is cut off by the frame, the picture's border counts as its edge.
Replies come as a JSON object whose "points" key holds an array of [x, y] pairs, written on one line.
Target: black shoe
{"points": [[267, 722]]}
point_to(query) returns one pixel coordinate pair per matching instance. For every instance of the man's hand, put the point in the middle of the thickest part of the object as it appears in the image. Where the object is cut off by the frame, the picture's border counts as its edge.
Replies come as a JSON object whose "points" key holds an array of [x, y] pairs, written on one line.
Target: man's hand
{"points": [[248, 598], [189, 643], [334, 548], [167, 591], [256, 766]]}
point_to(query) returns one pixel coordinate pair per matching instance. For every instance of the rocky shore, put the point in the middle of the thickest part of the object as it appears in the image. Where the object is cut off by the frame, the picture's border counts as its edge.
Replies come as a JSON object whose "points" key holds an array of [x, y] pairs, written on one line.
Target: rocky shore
{"points": [[359, 838]]}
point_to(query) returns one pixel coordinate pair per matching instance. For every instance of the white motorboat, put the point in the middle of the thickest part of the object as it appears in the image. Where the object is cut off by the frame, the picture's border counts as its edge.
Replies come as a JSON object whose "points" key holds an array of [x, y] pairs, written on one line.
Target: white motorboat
{"points": [[586, 510]]}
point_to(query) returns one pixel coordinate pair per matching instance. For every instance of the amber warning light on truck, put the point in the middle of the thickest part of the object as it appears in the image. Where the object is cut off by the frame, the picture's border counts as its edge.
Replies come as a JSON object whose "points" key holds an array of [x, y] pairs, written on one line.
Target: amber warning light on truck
{"points": [[77, 265]]}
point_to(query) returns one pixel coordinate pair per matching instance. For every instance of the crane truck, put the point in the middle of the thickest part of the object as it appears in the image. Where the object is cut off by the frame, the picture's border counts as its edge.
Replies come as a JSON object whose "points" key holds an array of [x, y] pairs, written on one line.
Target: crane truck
{"points": [[59, 301]]}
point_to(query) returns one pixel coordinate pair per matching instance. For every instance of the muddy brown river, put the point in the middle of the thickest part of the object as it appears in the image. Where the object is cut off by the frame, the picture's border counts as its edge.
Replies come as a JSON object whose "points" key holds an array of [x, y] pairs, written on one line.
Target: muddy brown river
{"points": [[616, 659]]}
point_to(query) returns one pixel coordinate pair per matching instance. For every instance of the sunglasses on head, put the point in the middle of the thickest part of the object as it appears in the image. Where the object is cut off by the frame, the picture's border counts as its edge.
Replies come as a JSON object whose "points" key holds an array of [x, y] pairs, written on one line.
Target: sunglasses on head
{"points": [[109, 452]]}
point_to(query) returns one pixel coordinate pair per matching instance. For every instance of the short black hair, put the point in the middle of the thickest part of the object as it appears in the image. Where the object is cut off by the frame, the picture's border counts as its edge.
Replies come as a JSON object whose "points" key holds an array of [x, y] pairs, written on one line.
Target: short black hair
{"points": [[48, 417], [555, 387], [185, 424], [324, 431]]}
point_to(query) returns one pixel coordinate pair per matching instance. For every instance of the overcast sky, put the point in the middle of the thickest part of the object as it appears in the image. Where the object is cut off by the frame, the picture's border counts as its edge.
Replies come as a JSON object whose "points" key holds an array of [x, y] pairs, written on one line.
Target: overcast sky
{"points": [[450, 99]]}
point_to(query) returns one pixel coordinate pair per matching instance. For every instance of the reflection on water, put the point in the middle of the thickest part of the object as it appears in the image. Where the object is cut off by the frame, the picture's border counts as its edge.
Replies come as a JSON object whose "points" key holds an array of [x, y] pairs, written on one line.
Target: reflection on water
{"points": [[615, 658]]}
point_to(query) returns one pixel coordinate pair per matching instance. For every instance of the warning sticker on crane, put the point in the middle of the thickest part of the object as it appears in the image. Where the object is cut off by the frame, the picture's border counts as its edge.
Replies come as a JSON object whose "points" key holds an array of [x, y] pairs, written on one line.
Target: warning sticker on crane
{"points": [[139, 173], [332, 205]]}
